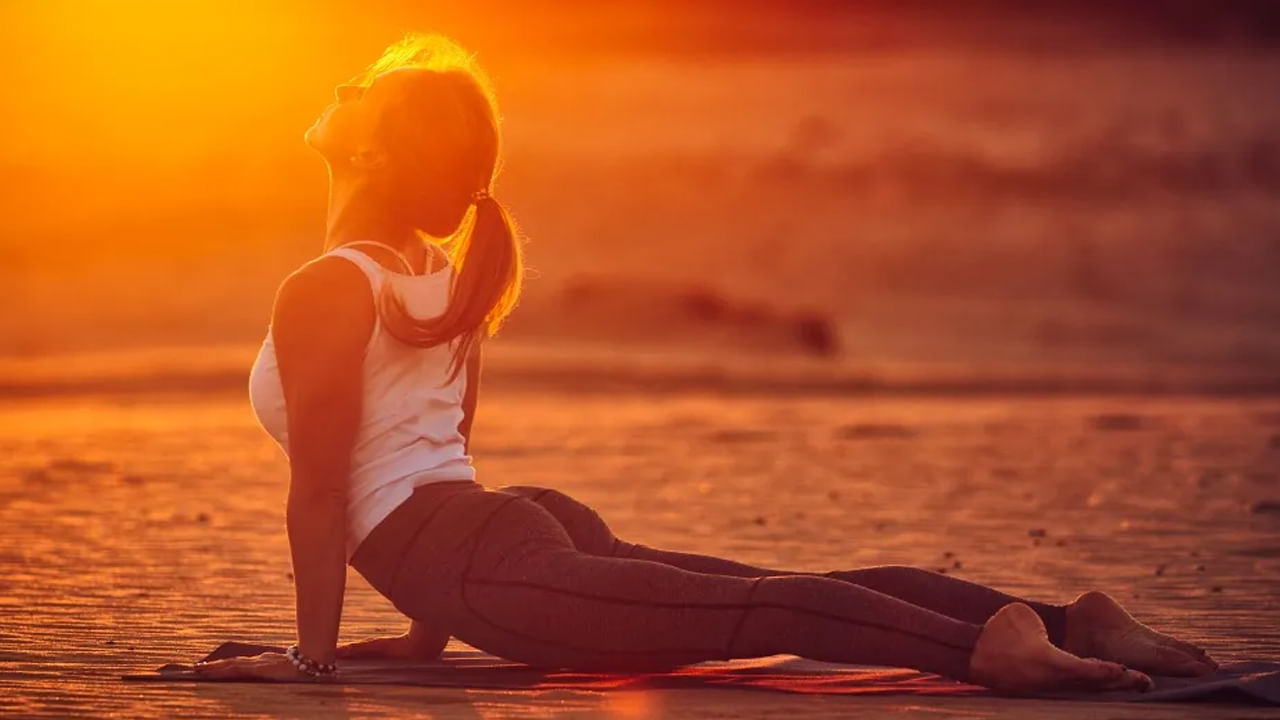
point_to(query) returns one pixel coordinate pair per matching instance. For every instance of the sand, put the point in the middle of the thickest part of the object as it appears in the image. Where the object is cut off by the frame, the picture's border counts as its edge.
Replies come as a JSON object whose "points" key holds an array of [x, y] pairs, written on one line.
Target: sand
{"points": [[142, 530]]}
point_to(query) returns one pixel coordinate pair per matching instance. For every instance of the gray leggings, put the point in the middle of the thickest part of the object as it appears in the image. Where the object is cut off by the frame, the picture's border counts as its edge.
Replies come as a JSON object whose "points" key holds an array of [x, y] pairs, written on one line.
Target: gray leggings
{"points": [[532, 575]]}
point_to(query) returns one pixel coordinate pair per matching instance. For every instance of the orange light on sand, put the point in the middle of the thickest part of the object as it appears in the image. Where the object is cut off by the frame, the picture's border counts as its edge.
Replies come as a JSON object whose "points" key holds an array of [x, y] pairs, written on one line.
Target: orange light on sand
{"points": [[630, 704]]}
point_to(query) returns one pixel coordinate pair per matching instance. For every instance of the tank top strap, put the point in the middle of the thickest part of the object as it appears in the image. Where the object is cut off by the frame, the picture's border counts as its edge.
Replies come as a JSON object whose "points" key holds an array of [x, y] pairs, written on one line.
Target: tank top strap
{"points": [[368, 265], [374, 272], [408, 266]]}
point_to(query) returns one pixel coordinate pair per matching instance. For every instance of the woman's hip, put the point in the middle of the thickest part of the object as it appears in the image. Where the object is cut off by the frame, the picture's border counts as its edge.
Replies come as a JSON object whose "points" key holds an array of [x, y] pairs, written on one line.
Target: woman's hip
{"points": [[419, 554]]}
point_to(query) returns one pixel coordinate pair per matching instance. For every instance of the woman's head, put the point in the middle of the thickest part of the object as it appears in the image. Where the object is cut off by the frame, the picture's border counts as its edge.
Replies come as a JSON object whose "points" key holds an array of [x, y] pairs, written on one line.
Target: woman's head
{"points": [[418, 132]]}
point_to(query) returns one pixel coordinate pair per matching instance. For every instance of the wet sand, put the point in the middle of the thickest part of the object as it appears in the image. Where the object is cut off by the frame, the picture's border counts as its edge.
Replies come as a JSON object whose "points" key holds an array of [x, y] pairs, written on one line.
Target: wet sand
{"points": [[143, 530]]}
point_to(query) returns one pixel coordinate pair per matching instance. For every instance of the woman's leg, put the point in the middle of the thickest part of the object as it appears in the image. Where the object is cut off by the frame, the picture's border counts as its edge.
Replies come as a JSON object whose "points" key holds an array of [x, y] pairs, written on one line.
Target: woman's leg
{"points": [[527, 594], [950, 596]]}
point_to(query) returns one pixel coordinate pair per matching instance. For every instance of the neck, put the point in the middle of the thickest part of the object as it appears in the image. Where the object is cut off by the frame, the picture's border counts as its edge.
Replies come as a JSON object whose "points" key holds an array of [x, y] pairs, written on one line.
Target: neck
{"points": [[351, 216]]}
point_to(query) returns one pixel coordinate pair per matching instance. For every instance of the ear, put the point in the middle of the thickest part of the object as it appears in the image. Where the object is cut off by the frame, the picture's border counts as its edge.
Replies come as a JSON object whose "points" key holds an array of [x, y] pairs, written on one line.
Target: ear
{"points": [[368, 159]]}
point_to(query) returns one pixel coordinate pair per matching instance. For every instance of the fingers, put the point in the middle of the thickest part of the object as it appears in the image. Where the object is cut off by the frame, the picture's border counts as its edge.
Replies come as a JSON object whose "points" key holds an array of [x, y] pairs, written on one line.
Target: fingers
{"points": [[219, 669], [353, 650], [368, 648], [268, 666]]}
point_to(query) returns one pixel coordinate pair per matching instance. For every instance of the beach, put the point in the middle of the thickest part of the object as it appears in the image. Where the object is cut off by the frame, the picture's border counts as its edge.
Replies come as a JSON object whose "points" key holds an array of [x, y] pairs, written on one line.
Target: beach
{"points": [[982, 288], [140, 530]]}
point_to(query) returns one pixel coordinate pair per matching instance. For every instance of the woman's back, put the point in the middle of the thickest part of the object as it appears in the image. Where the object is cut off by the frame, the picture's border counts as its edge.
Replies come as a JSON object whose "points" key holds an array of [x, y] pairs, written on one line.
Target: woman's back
{"points": [[410, 411]]}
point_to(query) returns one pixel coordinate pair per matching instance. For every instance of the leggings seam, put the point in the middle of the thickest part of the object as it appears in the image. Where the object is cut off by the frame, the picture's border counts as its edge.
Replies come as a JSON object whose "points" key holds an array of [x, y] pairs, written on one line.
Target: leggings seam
{"points": [[477, 537], [395, 577], [478, 534], [716, 606], [696, 651], [737, 627]]}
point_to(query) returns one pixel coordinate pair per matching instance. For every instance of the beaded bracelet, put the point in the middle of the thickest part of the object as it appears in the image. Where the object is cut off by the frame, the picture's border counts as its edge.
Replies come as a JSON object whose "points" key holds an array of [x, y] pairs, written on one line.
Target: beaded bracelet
{"points": [[309, 666]]}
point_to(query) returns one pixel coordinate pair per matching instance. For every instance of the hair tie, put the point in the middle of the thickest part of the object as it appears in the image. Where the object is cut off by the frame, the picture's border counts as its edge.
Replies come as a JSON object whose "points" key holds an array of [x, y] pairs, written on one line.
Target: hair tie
{"points": [[479, 195]]}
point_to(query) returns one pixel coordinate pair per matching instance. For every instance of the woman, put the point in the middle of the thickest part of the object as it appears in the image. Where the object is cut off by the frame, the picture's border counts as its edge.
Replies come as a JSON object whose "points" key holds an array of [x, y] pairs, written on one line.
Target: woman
{"points": [[368, 379]]}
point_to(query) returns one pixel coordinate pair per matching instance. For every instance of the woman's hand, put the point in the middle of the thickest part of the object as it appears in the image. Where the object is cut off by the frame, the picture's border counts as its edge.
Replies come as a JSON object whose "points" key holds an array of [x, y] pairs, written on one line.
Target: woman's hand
{"points": [[267, 666], [420, 643]]}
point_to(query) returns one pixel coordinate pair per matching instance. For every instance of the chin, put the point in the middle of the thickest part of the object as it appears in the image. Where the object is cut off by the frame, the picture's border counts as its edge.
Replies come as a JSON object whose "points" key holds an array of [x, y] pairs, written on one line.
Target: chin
{"points": [[317, 135], [317, 139]]}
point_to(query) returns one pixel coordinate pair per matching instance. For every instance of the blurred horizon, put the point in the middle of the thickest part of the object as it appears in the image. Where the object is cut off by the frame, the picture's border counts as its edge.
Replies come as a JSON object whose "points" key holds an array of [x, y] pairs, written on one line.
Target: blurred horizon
{"points": [[966, 182]]}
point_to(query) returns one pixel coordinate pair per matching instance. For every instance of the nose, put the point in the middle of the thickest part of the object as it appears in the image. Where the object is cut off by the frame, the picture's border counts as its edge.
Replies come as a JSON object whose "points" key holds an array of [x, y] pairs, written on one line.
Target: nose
{"points": [[348, 92]]}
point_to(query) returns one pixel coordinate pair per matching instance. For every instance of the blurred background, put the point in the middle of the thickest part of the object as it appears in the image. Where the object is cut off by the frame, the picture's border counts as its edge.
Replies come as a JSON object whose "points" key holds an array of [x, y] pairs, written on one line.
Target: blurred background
{"points": [[990, 287], [1039, 190]]}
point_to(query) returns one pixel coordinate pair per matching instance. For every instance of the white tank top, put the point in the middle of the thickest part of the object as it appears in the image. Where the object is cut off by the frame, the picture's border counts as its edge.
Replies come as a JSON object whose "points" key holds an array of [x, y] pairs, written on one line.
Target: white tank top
{"points": [[408, 432]]}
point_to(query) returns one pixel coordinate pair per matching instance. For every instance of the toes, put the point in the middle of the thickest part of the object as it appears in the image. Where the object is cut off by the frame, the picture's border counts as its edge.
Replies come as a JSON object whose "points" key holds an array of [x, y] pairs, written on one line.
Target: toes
{"points": [[1106, 675], [1103, 672], [1139, 681], [1170, 661], [1186, 647], [1196, 652], [1131, 679]]}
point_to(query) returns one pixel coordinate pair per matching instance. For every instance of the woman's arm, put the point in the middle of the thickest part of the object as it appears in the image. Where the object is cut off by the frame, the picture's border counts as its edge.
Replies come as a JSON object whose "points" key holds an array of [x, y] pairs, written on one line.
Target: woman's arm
{"points": [[469, 398], [321, 324], [423, 640]]}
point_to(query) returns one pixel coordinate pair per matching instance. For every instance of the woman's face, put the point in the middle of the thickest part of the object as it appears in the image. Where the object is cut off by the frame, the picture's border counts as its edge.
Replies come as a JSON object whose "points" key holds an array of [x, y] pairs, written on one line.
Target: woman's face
{"points": [[378, 132], [346, 127]]}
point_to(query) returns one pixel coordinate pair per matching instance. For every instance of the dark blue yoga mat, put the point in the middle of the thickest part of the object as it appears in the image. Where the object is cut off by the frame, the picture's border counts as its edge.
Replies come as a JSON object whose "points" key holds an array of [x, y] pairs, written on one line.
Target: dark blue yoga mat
{"points": [[1255, 683]]}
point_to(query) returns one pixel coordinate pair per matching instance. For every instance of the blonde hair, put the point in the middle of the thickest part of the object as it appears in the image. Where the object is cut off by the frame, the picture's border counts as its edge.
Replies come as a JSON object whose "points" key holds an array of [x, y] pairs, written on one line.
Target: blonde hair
{"points": [[453, 96]]}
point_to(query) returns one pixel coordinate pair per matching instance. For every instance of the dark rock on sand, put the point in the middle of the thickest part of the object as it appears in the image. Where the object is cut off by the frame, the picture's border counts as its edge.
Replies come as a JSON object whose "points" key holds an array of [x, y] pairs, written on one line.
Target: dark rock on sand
{"points": [[871, 431], [740, 435], [1209, 477], [621, 308], [1117, 421], [76, 465], [1265, 507], [817, 333]]}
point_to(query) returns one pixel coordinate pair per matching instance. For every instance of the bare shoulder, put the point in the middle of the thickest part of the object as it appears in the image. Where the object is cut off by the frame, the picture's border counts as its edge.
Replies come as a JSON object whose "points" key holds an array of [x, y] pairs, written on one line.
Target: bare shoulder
{"points": [[328, 297]]}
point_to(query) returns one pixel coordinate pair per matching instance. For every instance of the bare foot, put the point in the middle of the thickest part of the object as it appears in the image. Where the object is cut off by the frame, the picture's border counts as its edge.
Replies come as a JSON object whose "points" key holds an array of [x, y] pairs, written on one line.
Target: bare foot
{"points": [[1014, 655], [1097, 626]]}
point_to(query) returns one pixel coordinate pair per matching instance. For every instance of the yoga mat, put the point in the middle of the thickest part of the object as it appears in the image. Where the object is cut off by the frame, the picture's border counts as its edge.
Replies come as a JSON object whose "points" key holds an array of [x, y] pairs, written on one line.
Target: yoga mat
{"points": [[1242, 682]]}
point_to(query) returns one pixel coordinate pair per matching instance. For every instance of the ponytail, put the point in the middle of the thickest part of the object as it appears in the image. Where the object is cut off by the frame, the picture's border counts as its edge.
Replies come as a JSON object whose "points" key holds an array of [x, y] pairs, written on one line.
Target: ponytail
{"points": [[446, 140], [482, 293]]}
